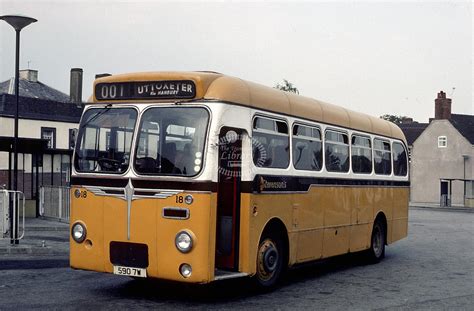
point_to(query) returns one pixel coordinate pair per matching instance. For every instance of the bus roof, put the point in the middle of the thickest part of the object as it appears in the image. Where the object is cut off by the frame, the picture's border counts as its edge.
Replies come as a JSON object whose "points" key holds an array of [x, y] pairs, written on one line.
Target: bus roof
{"points": [[216, 86]]}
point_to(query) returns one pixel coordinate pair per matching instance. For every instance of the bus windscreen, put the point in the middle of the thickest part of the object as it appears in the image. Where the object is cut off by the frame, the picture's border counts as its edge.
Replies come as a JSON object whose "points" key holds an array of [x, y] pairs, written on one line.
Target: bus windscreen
{"points": [[105, 140], [171, 141]]}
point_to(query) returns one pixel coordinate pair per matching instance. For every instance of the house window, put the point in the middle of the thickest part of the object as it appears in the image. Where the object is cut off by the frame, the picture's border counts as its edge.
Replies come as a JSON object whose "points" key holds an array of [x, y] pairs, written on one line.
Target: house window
{"points": [[72, 138], [469, 184], [442, 141], [49, 133], [107, 141]]}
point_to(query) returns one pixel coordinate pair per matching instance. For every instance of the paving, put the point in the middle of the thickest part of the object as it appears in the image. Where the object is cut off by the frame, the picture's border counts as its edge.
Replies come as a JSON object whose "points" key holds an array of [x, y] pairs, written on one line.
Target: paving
{"points": [[431, 269], [455, 208], [42, 237]]}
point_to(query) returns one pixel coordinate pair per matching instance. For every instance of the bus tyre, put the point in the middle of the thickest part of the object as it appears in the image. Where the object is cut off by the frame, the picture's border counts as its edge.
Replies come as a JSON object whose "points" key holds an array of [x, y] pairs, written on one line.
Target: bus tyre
{"points": [[270, 257], [376, 252]]}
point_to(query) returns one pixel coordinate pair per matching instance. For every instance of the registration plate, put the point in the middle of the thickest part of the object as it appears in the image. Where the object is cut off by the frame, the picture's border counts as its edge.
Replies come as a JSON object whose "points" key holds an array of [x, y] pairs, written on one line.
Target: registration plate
{"points": [[135, 272]]}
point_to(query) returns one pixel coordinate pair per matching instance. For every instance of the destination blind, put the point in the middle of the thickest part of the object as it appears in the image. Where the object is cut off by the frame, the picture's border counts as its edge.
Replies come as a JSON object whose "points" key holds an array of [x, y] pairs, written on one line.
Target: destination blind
{"points": [[130, 90]]}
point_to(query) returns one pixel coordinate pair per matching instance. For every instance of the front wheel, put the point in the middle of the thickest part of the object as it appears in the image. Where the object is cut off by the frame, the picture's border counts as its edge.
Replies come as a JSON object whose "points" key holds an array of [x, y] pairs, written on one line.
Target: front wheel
{"points": [[376, 252], [270, 257]]}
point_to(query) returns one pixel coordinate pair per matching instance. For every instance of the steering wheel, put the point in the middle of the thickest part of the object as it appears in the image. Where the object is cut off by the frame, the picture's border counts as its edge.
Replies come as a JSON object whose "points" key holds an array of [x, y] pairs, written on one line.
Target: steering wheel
{"points": [[107, 164]]}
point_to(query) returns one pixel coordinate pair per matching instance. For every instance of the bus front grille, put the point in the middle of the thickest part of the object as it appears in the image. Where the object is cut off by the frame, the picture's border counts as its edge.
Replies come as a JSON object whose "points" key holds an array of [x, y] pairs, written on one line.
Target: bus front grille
{"points": [[129, 254]]}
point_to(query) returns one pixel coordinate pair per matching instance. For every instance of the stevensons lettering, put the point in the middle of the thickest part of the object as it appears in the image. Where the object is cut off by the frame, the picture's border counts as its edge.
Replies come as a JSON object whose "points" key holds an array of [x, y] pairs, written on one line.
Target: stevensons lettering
{"points": [[274, 184], [176, 89], [269, 185]]}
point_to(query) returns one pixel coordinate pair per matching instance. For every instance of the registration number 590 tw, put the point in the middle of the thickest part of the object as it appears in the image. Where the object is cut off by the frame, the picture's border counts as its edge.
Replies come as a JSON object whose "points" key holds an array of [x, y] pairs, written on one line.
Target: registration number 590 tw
{"points": [[135, 272]]}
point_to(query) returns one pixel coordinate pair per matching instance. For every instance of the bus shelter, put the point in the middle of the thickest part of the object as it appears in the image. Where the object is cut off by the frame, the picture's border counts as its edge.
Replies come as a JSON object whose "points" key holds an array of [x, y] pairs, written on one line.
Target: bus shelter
{"points": [[37, 166], [446, 191]]}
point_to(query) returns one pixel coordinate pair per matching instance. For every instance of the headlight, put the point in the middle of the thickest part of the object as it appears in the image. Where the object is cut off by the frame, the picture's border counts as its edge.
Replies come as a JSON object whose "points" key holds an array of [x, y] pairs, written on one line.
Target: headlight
{"points": [[78, 232], [184, 242], [185, 270]]}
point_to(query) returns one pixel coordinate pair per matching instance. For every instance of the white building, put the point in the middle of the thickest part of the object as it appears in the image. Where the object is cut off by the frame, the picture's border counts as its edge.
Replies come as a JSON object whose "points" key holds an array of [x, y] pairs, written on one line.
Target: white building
{"points": [[442, 156], [47, 121]]}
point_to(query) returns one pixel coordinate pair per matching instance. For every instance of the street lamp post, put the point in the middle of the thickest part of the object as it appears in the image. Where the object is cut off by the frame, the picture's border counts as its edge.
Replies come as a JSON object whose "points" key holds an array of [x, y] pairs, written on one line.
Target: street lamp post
{"points": [[18, 22]]}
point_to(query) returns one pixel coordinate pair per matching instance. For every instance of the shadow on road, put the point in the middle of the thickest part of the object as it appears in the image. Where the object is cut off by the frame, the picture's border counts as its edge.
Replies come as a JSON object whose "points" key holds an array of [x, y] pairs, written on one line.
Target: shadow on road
{"points": [[228, 290], [34, 264], [324, 267]]}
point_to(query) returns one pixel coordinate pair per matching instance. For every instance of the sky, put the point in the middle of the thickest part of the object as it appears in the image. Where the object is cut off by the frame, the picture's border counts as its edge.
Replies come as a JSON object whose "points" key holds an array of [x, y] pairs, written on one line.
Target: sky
{"points": [[375, 57]]}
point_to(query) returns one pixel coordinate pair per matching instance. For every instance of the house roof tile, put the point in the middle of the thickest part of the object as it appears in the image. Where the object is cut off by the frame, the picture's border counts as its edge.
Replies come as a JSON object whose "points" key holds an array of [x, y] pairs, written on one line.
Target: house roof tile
{"points": [[464, 123], [412, 131], [33, 90]]}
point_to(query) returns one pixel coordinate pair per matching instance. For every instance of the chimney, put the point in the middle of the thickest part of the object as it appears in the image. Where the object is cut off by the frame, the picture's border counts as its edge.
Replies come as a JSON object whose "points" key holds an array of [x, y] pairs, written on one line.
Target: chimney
{"points": [[442, 107], [75, 88], [29, 75]]}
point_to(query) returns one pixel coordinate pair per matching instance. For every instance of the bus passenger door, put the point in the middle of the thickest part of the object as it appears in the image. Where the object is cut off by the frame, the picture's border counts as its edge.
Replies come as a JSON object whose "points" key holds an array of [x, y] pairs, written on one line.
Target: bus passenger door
{"points": [[228, 198]]}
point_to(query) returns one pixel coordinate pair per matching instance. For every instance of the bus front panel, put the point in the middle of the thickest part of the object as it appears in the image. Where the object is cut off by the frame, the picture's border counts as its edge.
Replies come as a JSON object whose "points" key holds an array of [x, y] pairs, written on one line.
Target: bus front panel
{"points": [[109, 230]]}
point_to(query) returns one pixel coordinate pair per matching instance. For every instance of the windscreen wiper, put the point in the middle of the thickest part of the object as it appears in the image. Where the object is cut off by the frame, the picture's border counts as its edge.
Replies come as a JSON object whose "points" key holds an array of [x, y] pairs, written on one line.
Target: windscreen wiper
{"points": [[106, 108]]}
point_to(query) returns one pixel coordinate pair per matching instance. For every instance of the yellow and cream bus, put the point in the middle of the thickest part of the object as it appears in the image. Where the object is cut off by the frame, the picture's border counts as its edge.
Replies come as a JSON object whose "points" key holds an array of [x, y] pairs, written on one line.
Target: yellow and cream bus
{"points": [[198, 176]]}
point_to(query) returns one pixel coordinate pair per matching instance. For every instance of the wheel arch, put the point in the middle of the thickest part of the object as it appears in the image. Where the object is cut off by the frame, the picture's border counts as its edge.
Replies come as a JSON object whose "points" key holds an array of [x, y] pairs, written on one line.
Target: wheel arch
{"points": [[383, 219], [276, 226]]}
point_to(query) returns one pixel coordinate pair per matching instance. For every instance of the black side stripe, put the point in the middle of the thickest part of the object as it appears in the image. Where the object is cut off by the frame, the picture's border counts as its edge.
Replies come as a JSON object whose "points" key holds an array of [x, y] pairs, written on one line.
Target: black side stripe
{"points": [[99, 182], [271, 183], [261, 183]]}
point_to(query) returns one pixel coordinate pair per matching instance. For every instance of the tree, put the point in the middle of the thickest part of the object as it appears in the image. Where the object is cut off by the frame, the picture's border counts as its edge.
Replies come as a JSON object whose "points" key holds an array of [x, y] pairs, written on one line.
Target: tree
{"points": [[396, 119], [287, 86]]}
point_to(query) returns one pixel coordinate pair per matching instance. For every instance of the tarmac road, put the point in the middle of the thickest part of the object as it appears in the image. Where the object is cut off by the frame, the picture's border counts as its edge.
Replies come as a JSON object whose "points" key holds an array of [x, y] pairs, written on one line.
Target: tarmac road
{"points": [[431, 269]]}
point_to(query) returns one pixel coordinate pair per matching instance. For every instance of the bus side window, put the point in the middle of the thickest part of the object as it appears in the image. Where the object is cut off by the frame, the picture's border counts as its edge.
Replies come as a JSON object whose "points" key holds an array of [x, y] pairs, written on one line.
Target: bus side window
{"points": [[337, 151], [307, 148], [382, 157], [270, 143], [399, 159], [361, 152]]}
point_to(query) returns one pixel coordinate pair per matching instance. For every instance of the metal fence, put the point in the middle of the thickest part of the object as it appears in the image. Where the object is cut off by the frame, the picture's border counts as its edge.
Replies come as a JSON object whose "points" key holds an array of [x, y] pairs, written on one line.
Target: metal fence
{"points": [[17, 199], [3, 213], [55, 202]]}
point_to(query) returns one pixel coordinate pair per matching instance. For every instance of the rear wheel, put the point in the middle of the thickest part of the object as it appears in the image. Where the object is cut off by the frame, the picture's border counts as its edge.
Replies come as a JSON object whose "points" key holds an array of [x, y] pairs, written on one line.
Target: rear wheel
{"points": [[376, 252], [270, 261]]}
